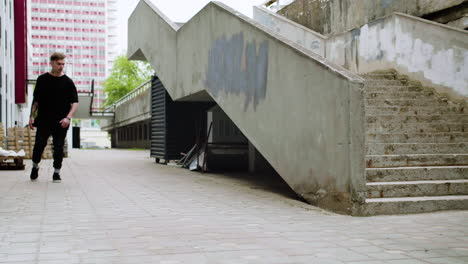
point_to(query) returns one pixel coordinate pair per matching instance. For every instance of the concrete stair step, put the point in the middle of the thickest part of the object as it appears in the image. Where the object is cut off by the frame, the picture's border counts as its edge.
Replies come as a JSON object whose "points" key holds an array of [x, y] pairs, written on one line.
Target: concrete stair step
{"points": [[454, 137], [400, 128], [409, 205], [399, 95], [383, 82], [416, 148], [379, 76], [416, 188], [448, 118], [416, 173], [406, 102], [415, 127], [394, 89], [415, 110], [411, 160]]}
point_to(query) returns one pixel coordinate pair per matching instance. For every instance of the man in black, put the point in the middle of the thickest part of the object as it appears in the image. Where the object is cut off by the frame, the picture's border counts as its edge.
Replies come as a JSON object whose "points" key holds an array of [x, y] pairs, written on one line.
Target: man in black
{"points": [[56, 100]]}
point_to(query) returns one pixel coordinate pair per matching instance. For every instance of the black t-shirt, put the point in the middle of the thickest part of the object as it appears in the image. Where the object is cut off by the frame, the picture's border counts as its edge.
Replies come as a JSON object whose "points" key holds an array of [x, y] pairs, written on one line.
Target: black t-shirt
{"points": [[54, 96]]}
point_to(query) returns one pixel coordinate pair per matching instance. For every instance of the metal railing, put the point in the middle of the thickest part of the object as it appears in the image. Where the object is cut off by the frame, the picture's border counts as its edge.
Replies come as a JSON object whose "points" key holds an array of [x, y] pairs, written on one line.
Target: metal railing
{"points": [[132, 94]]}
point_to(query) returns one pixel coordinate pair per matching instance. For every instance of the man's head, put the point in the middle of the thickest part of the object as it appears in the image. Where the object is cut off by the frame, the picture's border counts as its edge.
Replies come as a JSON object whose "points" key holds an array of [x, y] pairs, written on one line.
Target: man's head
{"points": [[57, 61]]}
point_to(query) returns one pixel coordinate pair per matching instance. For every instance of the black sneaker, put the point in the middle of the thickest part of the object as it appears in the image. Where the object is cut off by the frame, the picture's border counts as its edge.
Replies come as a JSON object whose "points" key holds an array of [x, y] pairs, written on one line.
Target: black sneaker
{"points": [[56, 177], [34, 174]]}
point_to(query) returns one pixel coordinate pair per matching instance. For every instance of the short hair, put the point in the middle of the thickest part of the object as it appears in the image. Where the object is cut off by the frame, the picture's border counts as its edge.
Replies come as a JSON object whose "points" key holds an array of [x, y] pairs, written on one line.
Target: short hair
{"points": [[57, 56]]}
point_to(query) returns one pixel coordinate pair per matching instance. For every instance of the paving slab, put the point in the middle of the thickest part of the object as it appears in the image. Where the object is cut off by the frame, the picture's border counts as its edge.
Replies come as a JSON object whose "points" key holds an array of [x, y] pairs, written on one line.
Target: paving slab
{"points": [[119, 206]]}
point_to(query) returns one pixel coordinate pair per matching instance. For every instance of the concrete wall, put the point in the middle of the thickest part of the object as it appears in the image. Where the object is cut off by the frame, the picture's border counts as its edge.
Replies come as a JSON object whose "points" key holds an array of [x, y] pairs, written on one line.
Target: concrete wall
{"points": [[298, 33], [307, 121], [336, 16], [135, 110], [433, 54], [160, 39], [461, 23], [428, 52]]}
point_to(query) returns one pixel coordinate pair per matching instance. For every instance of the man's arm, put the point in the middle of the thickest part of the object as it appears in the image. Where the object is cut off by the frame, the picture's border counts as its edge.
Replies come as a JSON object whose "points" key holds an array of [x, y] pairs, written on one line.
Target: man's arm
{"points": [[37, 95], [72, 110], [31, 116], [73, 99], [66, 121]]}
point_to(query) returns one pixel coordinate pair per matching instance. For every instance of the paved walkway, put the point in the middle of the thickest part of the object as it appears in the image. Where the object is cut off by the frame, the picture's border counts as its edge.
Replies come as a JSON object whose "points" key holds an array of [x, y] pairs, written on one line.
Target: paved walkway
{"points": [[116, 206]]}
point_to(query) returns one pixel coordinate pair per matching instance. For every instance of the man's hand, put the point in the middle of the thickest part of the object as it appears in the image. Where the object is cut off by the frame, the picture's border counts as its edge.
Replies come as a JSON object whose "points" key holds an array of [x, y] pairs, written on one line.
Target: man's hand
{"points": [[65, 122], [31, 122]]}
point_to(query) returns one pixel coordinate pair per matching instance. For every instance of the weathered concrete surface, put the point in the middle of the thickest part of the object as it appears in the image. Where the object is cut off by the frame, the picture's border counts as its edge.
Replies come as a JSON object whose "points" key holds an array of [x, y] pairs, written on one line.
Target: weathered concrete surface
{"points": [[295, 32], [83, 106], [308, 121], [134, 110], [433, 54], [160, 41], [119, 207], [411, 175], [461, 23], [336, 16]]}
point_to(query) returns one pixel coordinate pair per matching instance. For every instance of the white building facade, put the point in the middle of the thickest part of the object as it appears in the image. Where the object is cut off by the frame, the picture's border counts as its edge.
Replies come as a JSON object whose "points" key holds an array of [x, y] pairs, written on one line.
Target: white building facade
{"points": [[9, 110]]}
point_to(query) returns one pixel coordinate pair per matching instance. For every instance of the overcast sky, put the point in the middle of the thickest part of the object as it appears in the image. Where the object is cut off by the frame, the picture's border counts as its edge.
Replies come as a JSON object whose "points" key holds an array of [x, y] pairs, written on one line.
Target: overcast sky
{"points": [[176, 10]]}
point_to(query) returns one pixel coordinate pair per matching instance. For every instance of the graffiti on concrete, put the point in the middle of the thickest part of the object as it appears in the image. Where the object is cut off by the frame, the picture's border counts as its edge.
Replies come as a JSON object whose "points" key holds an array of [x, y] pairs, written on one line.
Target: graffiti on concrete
{"points": [[386, 3], [238, 68]]}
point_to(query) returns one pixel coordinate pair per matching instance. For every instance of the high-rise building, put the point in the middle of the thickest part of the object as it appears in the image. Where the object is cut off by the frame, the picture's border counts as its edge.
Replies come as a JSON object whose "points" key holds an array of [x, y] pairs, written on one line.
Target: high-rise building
{"points": [[112, 42], [79, 28], [12, 62]]}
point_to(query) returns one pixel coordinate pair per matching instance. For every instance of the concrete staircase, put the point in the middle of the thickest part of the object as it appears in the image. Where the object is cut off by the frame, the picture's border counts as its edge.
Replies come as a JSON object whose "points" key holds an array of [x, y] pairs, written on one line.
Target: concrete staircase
{"points": [[417, 148], [309, 117]]}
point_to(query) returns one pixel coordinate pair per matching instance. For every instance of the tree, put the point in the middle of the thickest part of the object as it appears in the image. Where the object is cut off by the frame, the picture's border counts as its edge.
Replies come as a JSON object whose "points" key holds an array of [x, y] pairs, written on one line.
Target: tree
{"points": [[125, 76]]}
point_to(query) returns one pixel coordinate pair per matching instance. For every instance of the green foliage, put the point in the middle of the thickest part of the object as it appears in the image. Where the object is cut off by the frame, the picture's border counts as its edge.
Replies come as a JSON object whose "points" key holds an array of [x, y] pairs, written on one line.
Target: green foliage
{"points": [[125, 76]]}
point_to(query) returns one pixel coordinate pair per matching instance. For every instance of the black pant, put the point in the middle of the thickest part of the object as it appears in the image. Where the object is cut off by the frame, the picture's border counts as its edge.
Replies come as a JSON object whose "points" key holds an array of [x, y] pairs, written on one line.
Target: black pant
{"points": [[42, 135]]}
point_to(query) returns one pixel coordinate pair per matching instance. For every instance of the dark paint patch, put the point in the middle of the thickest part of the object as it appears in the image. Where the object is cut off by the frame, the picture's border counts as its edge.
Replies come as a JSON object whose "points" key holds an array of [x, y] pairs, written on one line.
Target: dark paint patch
{"points": [[377, 22], [381, 54], [355, 34], [237, 68], [315, 45], [385, 3]]}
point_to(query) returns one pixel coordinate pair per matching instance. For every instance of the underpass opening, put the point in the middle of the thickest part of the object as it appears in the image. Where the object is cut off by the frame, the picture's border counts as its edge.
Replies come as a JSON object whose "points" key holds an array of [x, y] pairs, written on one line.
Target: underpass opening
{"points": [[198, 135], [135, 135]]}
